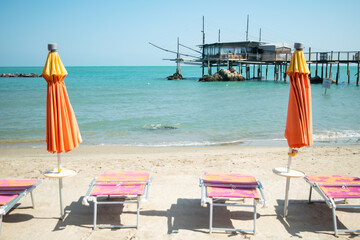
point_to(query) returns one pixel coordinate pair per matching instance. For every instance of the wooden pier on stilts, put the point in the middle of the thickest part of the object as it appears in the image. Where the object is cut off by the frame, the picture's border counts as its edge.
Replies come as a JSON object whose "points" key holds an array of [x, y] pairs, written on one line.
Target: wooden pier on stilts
{"points": [[256, 65], [253, 59]]}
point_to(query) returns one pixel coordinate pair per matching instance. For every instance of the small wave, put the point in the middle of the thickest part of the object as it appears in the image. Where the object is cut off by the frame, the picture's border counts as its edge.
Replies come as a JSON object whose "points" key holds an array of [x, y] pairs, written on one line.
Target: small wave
{"points": [[21, 141], [279, 139], [334, 135], [185, 144], [160, 127]]}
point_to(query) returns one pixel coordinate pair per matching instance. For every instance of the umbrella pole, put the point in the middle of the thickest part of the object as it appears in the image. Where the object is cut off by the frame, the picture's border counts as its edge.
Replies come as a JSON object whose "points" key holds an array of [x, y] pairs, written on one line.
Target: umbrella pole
{"points": [[286, 196], [289, 160], [59, 161], [61, 200], [60, 187], [287, 184]]}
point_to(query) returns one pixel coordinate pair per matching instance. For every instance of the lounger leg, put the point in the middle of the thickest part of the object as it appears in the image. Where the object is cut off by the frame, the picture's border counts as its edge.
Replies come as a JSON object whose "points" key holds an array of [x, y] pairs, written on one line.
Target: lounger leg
{"points": [[95, 213], [254, 217], [335, 224], [137, 213], [211, 217], [310, 194], [1, 218], [202, 193], [32, 199]]}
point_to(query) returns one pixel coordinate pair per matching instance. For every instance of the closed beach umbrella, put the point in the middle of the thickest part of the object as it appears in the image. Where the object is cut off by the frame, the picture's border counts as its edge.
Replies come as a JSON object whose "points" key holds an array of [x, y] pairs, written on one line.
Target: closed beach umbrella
{"points": [[298, 130], [62, 131]]}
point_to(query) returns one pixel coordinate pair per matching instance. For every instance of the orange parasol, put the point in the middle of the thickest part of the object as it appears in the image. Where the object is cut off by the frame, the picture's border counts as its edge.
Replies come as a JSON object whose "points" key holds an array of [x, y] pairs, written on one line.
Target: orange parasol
{"points": [[298, 130], [62, 131]]}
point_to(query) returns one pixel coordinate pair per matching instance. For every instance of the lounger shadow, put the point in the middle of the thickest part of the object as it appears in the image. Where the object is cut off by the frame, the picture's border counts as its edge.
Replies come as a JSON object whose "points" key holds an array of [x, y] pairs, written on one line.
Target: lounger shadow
{"points": [[305, 217], [11, 192], [76, 214]]}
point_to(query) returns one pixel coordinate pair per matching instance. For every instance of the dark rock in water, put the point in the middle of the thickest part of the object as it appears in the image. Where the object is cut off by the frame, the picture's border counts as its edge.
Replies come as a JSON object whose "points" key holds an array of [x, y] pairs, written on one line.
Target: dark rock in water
{"points": [[223, 75], [19, 75], [319, 80], [175, 76], [169, 127]]}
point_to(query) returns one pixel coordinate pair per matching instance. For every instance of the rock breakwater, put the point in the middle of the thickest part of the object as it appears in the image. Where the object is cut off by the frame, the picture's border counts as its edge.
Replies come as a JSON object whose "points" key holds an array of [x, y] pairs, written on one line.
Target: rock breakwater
{"points": [[20, 75], [175, 76], [223, 75]]}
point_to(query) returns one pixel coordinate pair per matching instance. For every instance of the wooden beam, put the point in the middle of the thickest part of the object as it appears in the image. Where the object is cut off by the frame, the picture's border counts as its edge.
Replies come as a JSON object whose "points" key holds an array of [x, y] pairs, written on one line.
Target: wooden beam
{"points": [[338, 69], [358, 68], [309, 62], [266, 71], [331, 58], [316, 71], [348, 69]]}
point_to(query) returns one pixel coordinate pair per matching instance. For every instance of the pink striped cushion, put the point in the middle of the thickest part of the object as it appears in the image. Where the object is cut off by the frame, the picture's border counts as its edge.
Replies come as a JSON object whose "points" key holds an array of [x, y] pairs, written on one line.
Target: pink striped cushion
{"points": [[5, 199], [16, 184], [232, 192], [229, 178], [333, 179], [341, 191], [11, 192], [128, 176], [121, 183], [134, 189], [337, 186], [231, 185]]}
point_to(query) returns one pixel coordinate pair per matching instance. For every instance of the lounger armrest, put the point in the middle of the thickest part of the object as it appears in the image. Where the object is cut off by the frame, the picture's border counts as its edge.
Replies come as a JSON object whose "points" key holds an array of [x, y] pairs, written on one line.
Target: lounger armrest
{"points": [[263, 198], [86, 200], [144, 198], [201, 184], [87, 196], [2, 211], [263, 202]]}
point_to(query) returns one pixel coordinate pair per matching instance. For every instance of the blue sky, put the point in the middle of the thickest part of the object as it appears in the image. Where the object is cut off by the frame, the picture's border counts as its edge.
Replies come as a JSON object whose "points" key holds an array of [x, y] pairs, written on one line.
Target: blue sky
{"points": [[116, 32]]}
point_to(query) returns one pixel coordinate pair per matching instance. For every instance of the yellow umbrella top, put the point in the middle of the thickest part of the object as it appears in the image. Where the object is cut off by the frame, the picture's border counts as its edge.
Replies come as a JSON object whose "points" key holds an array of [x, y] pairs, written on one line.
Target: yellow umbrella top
{"points": [[54, 70], [298, 63]]}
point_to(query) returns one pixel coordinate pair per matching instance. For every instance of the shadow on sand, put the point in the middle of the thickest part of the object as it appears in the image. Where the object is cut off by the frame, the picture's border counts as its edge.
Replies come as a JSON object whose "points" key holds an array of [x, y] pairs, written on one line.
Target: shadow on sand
{"points": [[185, 214], [309, 217]]}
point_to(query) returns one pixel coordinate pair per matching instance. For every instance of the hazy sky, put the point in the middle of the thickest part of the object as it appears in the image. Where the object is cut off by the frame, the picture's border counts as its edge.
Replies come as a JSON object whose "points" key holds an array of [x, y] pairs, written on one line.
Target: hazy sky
{"points": [[117, 33]]}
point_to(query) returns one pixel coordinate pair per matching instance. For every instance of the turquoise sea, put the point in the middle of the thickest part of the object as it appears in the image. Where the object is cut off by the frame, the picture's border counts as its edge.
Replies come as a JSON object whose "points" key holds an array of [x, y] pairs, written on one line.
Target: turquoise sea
{"points": [[137, 106]]}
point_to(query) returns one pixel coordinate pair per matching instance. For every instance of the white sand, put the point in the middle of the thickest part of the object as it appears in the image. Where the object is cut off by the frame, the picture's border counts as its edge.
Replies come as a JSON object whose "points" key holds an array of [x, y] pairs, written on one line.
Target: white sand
{"points": [[173, 210]]}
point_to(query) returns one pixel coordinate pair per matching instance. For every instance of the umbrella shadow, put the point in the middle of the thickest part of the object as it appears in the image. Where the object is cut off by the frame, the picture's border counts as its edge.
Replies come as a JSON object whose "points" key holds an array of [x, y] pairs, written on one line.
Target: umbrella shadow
{"points": [[185, 214], [308, 217], [188, 214]]}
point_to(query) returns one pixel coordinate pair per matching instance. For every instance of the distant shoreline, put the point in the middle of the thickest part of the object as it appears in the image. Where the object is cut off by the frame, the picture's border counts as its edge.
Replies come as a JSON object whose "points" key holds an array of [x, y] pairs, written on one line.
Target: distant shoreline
{"points": [[40, 143]]}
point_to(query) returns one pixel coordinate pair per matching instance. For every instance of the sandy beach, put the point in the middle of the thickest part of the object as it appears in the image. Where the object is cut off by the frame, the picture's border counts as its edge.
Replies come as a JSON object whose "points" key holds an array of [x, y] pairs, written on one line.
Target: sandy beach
{"points": [[173, 210]]}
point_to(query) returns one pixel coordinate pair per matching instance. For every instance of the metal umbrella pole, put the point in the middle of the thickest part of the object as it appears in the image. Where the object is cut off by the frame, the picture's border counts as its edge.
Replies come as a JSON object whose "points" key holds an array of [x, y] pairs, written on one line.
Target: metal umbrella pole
{"points": [[287, 183], [60, 187]]}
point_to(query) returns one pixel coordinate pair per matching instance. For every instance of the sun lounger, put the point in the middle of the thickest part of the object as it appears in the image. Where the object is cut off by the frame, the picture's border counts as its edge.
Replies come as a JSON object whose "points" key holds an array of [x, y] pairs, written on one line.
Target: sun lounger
{"points": [[128, 187], [230, 190], [335, 189], [11, 191]]}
